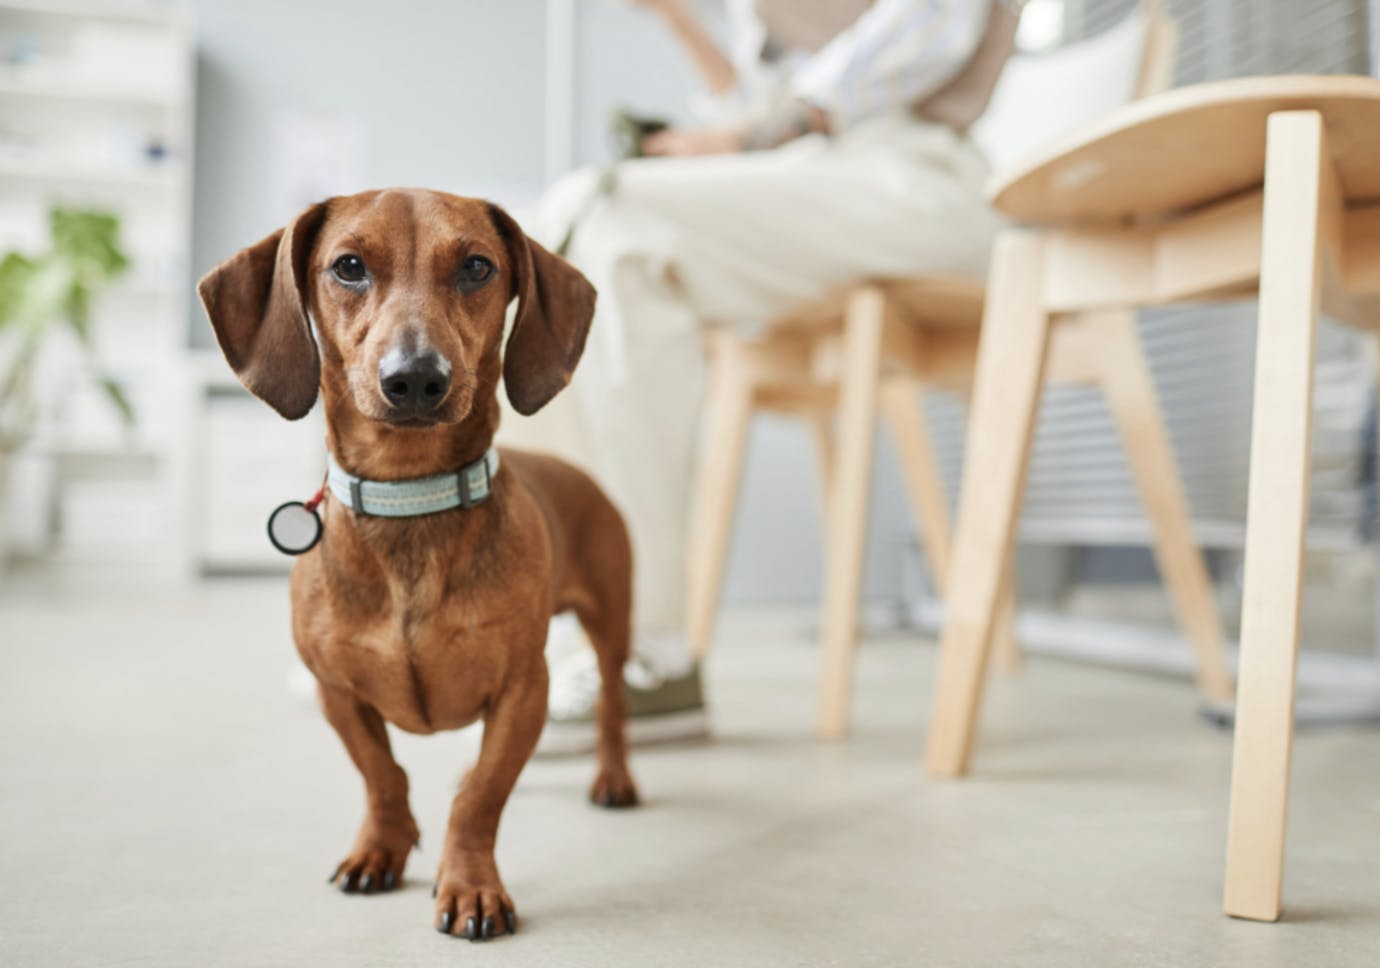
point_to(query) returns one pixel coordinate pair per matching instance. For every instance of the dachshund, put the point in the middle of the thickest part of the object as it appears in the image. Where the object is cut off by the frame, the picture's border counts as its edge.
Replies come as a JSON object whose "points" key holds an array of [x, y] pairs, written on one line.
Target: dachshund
{"points": [[391, 307]]}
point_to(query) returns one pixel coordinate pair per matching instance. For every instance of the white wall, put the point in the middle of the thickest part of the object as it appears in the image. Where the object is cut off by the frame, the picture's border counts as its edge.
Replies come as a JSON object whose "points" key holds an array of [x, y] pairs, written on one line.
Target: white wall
{"points": [[1373, 17], [448, 93], [626, 58]]}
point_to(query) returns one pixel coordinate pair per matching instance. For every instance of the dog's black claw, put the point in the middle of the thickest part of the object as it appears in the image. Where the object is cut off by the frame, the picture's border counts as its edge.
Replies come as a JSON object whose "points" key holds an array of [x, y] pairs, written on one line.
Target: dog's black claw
{"points": [[366, 886], [447, 920], [433, 890], [350, 884], [610, 800], [472, 929], [511, 919], [390, 881], [334, 874], [489, 928]]}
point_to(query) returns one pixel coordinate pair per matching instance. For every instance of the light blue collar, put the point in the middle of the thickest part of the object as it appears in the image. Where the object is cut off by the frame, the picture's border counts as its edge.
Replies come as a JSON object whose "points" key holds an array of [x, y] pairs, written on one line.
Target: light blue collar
{"points": [[464, 488]]}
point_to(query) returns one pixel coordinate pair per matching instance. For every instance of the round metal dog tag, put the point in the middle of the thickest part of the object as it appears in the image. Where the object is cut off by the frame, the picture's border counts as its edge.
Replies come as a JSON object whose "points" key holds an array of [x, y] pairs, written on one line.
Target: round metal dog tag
{"points": [[294, 528]]}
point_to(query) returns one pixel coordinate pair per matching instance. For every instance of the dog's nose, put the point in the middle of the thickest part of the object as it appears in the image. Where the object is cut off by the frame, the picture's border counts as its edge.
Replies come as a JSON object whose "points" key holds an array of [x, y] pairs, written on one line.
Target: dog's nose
{"points": [[414, 383]]}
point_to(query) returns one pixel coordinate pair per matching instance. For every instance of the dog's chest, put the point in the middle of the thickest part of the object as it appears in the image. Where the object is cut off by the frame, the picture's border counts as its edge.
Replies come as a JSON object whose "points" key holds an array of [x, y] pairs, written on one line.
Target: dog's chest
{"points": [[425, 619], [431, 653]]}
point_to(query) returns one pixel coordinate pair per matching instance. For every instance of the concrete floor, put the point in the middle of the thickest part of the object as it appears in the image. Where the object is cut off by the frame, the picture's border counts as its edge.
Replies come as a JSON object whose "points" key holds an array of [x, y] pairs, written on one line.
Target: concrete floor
{"points": [[168, 801]]}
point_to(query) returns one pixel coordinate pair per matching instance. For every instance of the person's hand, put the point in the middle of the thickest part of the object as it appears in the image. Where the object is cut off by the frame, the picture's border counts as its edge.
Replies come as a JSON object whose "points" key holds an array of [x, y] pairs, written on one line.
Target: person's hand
{"points": [[694, 141]]}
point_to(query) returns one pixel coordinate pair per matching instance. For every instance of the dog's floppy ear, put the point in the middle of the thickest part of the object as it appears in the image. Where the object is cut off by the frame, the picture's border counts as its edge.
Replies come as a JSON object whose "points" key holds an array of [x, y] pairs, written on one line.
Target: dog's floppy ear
{"points": [[256, 301], [555, 308]]}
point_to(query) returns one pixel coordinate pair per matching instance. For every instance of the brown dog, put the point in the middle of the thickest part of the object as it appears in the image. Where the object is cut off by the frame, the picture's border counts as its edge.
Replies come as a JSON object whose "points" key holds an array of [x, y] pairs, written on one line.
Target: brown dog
{"points": [[435, 621]]}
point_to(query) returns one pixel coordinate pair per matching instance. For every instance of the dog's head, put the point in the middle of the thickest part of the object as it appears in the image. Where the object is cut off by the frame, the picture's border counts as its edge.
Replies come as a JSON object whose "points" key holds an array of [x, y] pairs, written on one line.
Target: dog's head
{"points": [[407, 291]]}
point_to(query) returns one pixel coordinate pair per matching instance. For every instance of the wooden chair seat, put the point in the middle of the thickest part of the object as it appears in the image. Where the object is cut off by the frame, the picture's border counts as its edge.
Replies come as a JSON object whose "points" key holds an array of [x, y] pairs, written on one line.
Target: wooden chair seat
{"points": [[931, 335], [1185, 148], [931, 301], [1164, 202]]}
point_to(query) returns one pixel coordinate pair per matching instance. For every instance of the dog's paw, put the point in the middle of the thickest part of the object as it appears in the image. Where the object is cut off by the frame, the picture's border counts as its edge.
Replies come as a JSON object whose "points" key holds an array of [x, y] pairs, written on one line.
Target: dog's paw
{"points": [[613, 788], [375, 863], [474, 911]]}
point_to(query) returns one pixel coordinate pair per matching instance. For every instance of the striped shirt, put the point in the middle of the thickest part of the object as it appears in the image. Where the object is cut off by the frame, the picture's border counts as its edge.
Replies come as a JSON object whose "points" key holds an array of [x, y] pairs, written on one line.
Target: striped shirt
{"points": [[857, 59]]}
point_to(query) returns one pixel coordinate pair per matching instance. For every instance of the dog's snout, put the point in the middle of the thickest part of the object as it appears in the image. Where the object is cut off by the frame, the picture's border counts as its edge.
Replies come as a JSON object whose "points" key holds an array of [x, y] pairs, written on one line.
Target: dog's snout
{"points": [[414, 383]]}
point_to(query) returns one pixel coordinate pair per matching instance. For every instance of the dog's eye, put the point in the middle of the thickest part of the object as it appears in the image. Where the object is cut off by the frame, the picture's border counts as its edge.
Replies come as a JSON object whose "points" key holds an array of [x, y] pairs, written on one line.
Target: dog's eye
{"points": [[475, 271], [349, 268]]}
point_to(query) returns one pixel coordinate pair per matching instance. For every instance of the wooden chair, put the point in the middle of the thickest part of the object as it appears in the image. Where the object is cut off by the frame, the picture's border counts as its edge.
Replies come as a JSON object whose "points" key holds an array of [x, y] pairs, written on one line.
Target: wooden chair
{"points": [[873, 345], [1264, 185]]}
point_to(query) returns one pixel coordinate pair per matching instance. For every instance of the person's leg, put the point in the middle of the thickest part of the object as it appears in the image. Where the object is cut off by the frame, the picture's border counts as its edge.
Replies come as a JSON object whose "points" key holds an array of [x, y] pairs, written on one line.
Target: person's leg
{"points": [[633, 406], [733, 240]]}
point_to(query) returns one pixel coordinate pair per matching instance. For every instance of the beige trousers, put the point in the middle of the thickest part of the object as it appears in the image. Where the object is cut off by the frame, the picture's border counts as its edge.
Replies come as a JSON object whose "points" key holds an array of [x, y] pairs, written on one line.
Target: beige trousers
{"points": [[735, 240]]}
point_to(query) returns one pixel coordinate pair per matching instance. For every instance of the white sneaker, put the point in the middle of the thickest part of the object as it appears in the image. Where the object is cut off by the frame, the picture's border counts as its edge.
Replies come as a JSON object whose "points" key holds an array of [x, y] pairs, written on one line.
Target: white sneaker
{"points": [[661, 708]]}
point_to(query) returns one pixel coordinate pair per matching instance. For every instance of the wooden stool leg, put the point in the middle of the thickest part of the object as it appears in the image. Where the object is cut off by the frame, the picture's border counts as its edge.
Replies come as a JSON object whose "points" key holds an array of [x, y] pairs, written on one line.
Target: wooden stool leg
{"points": [[901, 405], [1299, 191], [851, 483], [1130, 392], [1004, 644], [728, 418], [1010, 369], [822, 429]]}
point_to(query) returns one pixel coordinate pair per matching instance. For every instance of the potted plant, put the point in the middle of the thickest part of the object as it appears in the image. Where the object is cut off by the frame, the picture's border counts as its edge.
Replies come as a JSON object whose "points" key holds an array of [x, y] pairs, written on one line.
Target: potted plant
{"points": [[40, 294]]}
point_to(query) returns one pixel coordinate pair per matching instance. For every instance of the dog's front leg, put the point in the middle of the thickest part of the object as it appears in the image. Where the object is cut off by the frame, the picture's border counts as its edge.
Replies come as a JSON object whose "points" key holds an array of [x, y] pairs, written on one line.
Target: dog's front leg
{"points": [[388, 833], [470, 898]]}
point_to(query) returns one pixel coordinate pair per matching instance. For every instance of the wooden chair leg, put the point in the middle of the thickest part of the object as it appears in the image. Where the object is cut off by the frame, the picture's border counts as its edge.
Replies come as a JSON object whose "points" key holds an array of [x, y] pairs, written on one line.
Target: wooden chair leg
{"points": [[1126, 382], [901, 406], [1004, 643], [822, 429], [1010, 372], [851, 480], [1299, 192], [728, 418]]}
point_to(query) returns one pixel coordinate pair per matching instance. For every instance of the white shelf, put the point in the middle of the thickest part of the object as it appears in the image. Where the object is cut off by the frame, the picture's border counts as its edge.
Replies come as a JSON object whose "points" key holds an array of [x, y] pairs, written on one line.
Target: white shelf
{"points": [[91, 448], [91, 453], [153, 14], [143, 289], [47, 88], [168, 175], [210, 372], [269, 562], [121, 492]]}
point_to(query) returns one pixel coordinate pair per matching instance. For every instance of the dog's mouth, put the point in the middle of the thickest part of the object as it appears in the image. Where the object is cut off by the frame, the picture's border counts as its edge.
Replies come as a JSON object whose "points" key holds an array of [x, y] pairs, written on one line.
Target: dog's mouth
{"points": [[455, 408], [414, 422]]}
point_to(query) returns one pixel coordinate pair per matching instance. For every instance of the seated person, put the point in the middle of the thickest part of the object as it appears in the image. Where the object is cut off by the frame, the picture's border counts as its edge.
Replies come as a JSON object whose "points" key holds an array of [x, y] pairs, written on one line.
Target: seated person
{"points": [[834, 148]]}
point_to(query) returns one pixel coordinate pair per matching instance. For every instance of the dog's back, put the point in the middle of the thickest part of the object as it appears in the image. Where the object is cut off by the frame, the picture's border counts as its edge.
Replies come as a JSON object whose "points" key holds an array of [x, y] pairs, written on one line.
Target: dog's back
{"points": [[587, 533]]}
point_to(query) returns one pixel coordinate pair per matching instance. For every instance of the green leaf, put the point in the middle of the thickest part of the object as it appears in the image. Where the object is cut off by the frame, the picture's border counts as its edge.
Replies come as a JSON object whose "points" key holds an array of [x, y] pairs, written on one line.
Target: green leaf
{"points": [[40, 292], [77, 308], [117, 397], [16, 271], [90, 240]]}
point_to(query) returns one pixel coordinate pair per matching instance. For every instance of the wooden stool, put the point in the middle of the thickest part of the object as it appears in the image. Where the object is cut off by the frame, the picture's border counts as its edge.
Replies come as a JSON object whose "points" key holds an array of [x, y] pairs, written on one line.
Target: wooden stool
{"points": [[872, 347], [867, 348], [1216, 191]]}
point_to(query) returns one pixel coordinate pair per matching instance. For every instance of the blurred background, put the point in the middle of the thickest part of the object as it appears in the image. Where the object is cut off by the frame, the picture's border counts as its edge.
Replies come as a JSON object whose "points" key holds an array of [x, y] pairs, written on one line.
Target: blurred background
{"points": [[143, 142]]}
